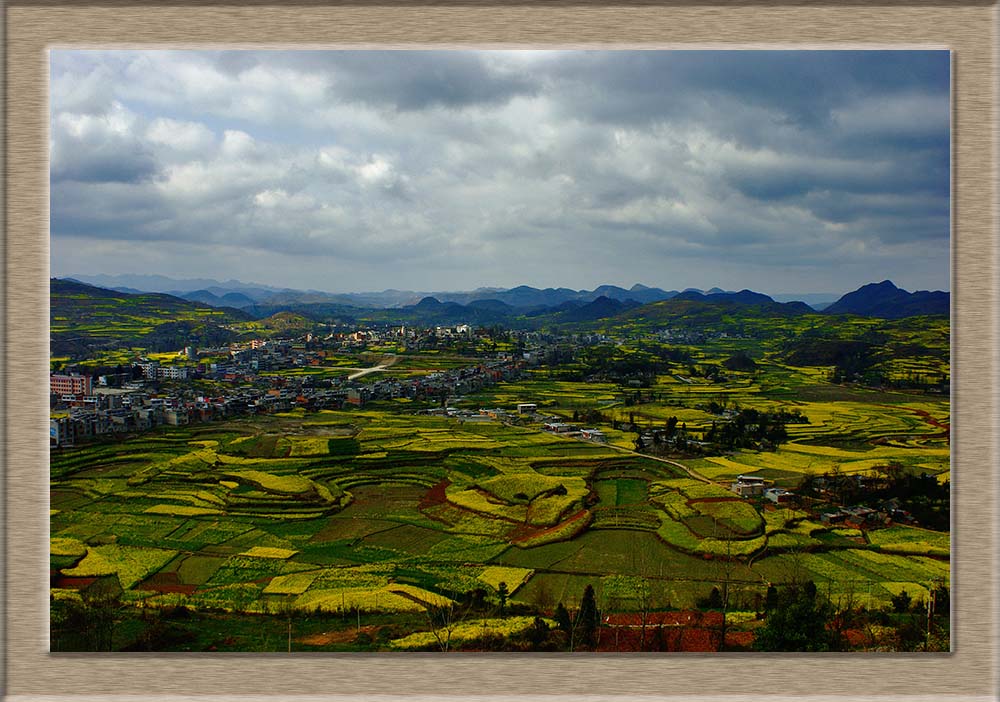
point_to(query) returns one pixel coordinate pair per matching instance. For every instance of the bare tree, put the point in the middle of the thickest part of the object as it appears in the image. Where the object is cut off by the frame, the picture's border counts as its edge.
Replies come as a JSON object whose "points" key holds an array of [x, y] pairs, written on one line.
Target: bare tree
{"points": [[443, 620]]}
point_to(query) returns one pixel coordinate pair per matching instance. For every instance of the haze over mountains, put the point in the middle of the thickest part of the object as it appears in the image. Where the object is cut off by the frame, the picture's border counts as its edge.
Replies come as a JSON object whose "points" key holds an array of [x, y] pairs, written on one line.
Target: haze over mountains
{"points": [[496, 305], [235, 293]]}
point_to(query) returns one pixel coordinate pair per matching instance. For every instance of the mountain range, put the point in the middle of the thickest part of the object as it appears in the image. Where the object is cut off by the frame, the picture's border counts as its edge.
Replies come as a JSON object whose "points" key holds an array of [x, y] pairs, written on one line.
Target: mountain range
{"points": [[234, 293], [529, 306]]}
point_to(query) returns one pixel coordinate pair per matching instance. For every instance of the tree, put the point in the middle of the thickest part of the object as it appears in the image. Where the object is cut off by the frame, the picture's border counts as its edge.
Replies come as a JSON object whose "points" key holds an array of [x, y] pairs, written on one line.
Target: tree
{"points": [[771, 598], [502, 595], [901, 602], [588, 617], [443, 620], [566, 624], [714, 599], [538, 633], [798, 622]]}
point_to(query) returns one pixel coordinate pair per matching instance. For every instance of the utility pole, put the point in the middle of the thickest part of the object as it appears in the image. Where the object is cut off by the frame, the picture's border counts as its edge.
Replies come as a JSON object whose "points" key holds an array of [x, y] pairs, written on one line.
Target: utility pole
{"points": [[931, 596]]}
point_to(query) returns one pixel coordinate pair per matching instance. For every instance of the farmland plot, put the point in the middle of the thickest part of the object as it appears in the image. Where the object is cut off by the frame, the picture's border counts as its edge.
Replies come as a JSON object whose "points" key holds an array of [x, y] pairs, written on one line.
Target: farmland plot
{"points": [[380, 512]]}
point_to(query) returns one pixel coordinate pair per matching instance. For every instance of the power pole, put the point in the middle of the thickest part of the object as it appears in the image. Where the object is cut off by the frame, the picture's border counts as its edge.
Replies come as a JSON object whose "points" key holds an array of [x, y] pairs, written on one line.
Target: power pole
{"points": [[931, 596]]}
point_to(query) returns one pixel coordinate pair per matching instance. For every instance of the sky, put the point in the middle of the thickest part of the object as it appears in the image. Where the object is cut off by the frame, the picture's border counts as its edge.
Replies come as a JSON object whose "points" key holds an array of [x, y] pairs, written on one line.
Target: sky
{"points": [[778, 171]]}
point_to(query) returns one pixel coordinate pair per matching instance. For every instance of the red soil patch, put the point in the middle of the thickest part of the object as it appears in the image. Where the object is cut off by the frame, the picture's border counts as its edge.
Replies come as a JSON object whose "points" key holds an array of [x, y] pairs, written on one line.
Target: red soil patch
{"points": [[331, 637], [523, 532], [435, 496], [925, 415], [945, 427], [69, 583], [674, 619], [166, 582], [671, 639], [681, 631]]}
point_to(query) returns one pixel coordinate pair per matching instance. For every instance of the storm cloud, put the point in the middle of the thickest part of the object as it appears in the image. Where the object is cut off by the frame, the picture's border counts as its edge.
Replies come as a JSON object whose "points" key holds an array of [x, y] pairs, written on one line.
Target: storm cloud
{"points": [[782, 171]]}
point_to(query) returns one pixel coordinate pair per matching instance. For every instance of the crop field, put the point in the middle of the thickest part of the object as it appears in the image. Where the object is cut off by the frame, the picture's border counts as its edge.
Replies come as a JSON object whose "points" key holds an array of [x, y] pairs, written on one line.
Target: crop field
{"points": [[391, 513]]}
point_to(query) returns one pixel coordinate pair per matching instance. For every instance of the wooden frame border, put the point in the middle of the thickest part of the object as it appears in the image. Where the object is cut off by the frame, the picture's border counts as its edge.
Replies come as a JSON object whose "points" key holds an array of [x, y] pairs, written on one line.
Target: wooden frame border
{"points": [[969, 28]]}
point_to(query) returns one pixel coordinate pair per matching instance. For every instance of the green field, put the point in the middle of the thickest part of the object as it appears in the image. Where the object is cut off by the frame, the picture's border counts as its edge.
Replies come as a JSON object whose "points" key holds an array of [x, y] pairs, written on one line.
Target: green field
{"points": [[391, 516], [381, 512]]}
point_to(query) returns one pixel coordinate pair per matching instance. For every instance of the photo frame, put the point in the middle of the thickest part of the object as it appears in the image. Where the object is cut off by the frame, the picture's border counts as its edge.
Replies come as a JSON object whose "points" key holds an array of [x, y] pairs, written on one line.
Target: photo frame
{"points": [[969, 29]]}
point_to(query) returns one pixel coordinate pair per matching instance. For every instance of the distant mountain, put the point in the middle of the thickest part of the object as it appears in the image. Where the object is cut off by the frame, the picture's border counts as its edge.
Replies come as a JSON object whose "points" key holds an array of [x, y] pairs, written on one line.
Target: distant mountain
{"points": [[815, 300], [203, 296], [236, 299], [292, 298], [743, 297], [430, 311], [637, 293], [640, 293], [887, 301], [213, 292], [164, 284], [527, 296], [692, 309], [492, 305], [601, 308], [230, 299]]}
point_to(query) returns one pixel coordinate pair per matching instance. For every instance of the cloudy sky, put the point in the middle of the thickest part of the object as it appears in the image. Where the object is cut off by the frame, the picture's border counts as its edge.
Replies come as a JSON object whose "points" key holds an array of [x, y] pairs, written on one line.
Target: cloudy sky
{"points": [[446, 170]]}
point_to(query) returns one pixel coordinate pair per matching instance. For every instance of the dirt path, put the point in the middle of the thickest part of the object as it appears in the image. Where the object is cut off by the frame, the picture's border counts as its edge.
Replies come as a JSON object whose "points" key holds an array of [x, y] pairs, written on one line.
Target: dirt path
{"points": [[691, 472]]}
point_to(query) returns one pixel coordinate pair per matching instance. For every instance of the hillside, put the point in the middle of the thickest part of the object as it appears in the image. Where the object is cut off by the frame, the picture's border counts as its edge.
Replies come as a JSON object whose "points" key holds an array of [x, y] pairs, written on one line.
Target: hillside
{"points": [[284, 322], [694, 310], [84, 318]]}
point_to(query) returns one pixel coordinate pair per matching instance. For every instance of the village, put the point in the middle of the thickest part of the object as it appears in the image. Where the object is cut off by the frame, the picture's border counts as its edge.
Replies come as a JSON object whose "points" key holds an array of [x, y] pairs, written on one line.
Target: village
{"points": [[149, 393], [198, 385]]}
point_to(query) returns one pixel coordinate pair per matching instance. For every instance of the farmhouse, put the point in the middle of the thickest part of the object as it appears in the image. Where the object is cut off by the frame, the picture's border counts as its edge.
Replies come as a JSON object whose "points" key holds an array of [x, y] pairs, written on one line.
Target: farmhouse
{"points": [[526, 407], [748, 486], [778, 496]]}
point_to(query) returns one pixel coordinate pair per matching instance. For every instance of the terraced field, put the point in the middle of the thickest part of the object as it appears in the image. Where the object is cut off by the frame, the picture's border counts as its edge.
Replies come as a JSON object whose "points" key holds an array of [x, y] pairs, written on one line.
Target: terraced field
{"points": [[375, 511]]}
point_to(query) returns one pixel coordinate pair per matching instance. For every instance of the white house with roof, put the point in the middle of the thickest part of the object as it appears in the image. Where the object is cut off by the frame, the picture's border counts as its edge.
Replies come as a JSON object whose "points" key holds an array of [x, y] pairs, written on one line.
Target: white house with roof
{"points": [[748, 486]]}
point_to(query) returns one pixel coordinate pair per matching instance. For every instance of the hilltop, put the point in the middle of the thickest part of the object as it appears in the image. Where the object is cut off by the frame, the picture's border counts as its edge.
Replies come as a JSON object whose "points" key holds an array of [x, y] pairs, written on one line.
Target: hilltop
{"points": [[887, 301], [84, 318]]}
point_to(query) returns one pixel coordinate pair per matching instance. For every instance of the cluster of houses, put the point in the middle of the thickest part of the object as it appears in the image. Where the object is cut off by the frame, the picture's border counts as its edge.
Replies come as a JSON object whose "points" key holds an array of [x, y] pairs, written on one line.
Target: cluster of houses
{"points": [[564, 429], [858, 516], [687, 335], [83, 410], [853, 516], [754, 486]]}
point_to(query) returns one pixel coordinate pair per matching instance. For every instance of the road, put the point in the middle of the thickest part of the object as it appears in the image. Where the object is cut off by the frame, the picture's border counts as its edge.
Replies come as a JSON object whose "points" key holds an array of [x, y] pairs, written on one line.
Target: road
{"points": [[386, 362]]}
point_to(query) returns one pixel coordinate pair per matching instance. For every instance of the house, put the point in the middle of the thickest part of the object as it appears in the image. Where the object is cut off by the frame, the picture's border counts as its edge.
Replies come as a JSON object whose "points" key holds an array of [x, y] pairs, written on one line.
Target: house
{"points": [[526, 408], [176, 417], [748, 486], [778, 496], [62, 432], [594, 435]]}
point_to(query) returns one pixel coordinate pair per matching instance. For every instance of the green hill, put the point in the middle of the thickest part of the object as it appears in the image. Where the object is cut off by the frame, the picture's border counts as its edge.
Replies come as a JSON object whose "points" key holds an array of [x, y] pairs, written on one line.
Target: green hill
{"points": [[84, 319]]}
